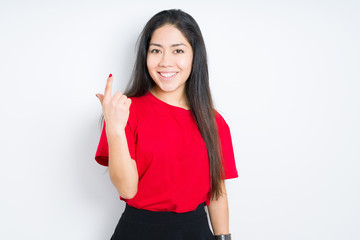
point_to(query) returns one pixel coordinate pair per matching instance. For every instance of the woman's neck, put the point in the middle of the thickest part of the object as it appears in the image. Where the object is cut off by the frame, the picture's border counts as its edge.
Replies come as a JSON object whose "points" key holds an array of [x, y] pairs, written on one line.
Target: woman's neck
{"points": [[175, 98]]}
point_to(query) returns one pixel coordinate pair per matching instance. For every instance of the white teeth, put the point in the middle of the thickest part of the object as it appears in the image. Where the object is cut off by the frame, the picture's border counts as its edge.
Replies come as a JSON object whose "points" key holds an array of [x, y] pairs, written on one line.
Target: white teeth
{"points": [[167, 74]]}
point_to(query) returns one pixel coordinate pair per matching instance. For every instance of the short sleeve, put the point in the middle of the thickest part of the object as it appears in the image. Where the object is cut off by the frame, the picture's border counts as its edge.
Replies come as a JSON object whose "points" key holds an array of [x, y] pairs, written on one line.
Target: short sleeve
{"points": [[227, 151], [102, 152]]}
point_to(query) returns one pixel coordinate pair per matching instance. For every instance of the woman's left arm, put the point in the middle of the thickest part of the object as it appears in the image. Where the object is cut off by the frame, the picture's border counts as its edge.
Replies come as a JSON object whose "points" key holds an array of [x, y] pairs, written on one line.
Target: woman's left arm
{"points": [[219, 213]]}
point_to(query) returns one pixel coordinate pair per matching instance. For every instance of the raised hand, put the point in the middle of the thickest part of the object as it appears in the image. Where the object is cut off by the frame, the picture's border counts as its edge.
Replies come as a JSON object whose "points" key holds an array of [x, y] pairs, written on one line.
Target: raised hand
{"points": [[115, 108]]}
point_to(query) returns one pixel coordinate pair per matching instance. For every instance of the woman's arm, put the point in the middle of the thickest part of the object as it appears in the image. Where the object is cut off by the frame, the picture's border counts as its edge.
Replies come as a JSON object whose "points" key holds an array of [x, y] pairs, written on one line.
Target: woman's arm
{"points": [[122, 169], [219, 213]]}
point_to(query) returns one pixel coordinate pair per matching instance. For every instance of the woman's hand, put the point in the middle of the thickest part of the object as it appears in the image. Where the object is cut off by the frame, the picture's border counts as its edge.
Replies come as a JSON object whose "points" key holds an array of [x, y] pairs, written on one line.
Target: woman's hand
{"points": [[115, 108]]}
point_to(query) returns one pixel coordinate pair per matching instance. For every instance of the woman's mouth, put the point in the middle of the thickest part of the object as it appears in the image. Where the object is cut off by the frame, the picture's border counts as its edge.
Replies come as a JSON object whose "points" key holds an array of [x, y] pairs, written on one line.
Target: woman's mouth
{"points": [[167, 75]]}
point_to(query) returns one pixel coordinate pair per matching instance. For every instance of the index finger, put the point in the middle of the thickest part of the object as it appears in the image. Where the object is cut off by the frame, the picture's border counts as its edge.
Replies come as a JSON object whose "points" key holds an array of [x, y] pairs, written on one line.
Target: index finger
{"points": [[108, 87]]}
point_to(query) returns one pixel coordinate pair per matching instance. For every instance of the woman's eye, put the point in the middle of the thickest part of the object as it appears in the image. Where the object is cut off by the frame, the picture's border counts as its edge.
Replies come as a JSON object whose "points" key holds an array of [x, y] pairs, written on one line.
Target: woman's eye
{"points": [[157, 51]]}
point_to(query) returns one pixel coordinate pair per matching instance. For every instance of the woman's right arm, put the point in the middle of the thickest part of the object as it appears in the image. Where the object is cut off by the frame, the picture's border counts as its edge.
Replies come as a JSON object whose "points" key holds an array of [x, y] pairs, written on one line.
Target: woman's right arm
{"points": [[122, 169]]}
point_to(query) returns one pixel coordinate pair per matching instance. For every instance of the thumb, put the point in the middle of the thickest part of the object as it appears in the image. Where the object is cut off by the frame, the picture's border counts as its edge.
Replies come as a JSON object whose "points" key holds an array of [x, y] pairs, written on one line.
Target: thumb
{"points": [[100, 97]]}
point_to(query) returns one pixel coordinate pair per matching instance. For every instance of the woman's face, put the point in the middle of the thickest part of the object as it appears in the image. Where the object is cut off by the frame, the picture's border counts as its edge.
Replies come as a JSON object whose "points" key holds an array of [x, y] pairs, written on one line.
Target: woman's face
{"points": [[169, 60]]}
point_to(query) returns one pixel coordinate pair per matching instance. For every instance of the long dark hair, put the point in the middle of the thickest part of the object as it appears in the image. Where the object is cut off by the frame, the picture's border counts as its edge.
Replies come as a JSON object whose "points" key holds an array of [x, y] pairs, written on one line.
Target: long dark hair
{"points": [[197, 85]]}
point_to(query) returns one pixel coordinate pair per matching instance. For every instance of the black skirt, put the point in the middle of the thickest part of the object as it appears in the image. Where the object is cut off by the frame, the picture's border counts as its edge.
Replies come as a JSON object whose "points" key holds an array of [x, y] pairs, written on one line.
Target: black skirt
{"points": [[140, 224]]}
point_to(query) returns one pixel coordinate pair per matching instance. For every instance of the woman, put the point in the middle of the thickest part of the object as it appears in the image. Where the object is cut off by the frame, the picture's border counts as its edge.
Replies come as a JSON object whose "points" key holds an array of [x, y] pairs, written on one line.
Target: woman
{"points": [[167, 149]]}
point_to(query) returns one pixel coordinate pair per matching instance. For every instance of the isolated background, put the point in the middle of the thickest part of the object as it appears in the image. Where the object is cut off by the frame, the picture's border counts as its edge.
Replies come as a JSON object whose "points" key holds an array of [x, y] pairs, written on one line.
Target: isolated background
{"points": [[285, 75]]}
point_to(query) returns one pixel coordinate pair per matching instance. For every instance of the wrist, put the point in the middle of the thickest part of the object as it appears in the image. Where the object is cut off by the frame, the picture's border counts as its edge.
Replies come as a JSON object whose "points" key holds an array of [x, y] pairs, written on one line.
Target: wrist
{"points": [[115, 138], [223, 237], [115, 132]]}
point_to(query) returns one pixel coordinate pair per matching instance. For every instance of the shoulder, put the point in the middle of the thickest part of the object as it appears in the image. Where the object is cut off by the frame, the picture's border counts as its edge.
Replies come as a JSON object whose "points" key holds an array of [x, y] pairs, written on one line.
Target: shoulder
{"points": [[220, 121], [222, 125], [138, 102], [140, 107], [136, 108]]}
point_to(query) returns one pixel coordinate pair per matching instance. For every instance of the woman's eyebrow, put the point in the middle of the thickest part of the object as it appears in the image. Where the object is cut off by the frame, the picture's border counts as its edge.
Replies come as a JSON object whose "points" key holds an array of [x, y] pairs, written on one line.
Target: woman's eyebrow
{"points": [[174, 45]]}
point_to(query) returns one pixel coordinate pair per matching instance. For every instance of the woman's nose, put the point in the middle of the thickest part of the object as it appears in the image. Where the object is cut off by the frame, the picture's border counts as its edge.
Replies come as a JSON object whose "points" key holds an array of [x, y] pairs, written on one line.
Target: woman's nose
{"points": [[166, 60]]}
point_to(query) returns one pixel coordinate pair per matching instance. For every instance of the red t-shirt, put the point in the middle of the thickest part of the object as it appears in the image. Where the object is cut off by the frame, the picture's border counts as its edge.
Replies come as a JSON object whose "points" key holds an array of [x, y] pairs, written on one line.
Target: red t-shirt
{"points": [[170, 155]]}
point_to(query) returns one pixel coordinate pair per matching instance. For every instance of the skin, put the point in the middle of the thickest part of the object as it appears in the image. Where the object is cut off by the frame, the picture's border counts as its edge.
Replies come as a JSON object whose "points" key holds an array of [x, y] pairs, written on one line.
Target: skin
{"points": [[219, 213], [122, 169], [164, 55]]}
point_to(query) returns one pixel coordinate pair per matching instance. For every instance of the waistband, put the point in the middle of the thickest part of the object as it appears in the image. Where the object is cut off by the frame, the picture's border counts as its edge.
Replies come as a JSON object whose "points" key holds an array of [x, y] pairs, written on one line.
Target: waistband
{"points": [[160, 217]]}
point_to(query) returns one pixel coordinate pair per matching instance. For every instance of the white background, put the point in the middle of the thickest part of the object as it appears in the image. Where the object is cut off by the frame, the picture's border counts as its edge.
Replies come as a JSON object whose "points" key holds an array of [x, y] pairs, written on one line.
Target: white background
{"points": [[285, 75]]}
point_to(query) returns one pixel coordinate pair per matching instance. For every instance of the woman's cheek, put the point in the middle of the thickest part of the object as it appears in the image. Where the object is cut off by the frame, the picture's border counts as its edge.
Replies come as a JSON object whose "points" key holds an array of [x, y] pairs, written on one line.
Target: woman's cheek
{"points": [[183, 63]]}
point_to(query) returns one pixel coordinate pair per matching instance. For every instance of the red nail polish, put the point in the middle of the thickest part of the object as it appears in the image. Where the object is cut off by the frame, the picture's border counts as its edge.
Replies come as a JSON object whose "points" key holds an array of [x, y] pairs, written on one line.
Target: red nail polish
{"points": [[110, 75]]}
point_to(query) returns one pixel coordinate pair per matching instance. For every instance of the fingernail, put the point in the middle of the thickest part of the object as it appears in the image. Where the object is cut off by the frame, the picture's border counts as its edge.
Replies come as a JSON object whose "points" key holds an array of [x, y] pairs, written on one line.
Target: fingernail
{"points": [[96, 95], [110, 75]]}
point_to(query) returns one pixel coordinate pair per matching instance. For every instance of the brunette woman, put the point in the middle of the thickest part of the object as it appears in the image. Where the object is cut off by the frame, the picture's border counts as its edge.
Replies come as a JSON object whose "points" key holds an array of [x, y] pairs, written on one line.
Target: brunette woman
{"points": [[168, 150]]}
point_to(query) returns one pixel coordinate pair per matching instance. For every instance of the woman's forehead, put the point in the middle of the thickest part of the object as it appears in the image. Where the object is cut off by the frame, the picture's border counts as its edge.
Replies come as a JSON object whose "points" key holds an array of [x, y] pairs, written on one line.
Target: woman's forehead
{"points": [[168, 36]]}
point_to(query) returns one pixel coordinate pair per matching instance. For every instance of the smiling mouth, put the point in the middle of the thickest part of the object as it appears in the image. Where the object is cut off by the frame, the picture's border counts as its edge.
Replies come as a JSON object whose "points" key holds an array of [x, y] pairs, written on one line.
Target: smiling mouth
{"points": [[168, 74]]}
